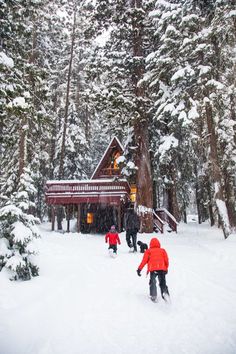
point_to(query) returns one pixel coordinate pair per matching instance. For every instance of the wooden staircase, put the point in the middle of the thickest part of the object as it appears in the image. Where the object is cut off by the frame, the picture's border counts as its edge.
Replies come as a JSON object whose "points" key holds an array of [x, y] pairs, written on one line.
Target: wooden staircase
{"points": [[162, 218]]}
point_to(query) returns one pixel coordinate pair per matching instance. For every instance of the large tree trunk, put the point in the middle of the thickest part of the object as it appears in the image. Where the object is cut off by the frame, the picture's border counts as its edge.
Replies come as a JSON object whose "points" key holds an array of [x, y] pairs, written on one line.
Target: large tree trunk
{"points": [[230, 198], [144, 199], [216, 172], [62, 155], [210, 204], [173, 205], [230, 178]]}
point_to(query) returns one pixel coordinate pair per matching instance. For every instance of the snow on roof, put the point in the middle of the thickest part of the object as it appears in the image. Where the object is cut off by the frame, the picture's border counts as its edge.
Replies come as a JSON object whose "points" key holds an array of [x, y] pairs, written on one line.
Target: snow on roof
{"points": [[98, 181]]}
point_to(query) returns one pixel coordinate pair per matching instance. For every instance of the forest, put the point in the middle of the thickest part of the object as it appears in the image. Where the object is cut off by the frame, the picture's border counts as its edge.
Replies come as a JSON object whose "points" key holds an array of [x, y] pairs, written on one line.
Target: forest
{"points": [[158, 74]]}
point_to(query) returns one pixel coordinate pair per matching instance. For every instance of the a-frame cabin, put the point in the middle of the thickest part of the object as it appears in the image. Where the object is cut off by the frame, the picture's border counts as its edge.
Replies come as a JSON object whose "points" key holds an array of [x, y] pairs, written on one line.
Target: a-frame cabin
{"points": [[99, 202]]}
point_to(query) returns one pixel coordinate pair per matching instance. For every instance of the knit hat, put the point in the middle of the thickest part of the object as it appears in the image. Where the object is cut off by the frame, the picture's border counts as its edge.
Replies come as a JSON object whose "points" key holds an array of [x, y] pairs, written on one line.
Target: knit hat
{"points": [[113, 227]]}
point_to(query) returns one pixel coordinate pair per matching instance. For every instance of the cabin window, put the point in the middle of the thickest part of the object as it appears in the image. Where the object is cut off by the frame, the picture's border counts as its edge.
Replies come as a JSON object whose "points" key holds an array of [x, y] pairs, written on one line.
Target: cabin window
{"points": [[133, 192], [90, 217]]}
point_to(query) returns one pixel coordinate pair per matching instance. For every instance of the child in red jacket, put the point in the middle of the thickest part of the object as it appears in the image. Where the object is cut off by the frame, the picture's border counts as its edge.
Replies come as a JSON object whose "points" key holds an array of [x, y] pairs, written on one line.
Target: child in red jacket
{"points": [[157, 263], [113, 238]]}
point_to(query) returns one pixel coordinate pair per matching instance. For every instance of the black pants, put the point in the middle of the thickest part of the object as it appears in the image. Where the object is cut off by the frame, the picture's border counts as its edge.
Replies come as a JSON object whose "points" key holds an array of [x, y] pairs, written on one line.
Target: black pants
{"points": [[113, 247], [161, 274], [132, 234]]}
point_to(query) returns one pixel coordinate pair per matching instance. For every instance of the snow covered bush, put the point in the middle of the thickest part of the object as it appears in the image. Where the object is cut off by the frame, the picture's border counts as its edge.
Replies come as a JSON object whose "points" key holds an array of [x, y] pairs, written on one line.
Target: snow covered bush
{"points": [[18, 231]]}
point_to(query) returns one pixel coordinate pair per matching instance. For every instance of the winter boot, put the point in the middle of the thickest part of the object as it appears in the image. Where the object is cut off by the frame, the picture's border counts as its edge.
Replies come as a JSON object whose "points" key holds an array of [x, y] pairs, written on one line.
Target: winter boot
{"points": [[153, 298]]}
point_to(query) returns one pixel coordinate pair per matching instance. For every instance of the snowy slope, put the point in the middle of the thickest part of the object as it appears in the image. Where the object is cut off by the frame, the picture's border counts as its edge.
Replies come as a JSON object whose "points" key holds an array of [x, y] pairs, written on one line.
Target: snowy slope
{"points": [[85, 302]]}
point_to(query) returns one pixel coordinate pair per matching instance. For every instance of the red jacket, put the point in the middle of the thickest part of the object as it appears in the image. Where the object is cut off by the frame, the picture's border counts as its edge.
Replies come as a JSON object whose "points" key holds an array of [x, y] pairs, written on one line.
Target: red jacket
{"points": [[155, 257], [113, 238]]}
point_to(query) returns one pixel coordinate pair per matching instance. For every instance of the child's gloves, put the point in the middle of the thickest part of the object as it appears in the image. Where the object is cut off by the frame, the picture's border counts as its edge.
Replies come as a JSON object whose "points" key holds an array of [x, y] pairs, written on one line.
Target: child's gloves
{"points": [[139, 272]]}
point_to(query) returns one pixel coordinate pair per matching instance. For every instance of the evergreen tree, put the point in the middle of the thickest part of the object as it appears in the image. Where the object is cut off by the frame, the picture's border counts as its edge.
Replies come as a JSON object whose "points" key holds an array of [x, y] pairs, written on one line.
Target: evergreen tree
{"points": [[18, 230], [123, 96]]}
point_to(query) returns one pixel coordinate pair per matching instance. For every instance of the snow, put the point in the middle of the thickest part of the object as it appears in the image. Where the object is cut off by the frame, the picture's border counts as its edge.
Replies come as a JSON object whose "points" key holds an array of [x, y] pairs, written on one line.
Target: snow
{"points": [[15, 261], [221, 206], [21, 233], [130, 165], [144, 210], [193, 113], [120, 159], [4, 244], [103, 37], [87, 302], [18, 102], [11, 209], [83, 181], [204, 69], [167, 142], [183, 72], [5, 60], [216, 84], [232, 13]]}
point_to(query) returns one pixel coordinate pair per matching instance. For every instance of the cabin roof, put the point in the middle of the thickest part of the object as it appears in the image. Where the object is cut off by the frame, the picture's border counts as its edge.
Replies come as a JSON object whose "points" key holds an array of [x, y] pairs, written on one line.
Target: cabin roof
{"points": [[101, 188], [114, 143]]}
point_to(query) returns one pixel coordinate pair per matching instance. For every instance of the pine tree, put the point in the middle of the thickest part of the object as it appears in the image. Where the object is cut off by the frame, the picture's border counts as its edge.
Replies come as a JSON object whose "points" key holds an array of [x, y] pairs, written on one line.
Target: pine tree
{"points": [[168, 74], [123, 97], [211, 65], [22, 114], [18, 231]]}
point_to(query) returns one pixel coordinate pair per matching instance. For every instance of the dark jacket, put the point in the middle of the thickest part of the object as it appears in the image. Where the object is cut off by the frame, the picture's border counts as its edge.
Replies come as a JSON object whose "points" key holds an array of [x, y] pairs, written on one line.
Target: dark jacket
{"points": [[131, 220]]}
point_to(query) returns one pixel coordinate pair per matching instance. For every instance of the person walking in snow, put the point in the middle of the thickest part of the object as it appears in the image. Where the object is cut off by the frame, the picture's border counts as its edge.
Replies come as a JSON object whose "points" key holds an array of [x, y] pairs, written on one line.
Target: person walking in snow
{"points": [[132, 225], [112, 238], [157, 262]]}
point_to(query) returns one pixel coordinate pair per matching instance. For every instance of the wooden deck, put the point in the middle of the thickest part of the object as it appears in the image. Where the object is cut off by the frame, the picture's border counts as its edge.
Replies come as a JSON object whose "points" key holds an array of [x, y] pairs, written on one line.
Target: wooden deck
{"points": [[91, 191]]}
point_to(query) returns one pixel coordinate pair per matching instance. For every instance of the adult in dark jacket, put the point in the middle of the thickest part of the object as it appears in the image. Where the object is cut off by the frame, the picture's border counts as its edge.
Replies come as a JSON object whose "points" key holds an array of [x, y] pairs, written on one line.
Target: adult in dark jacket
{"points": [[132, 225], [157, 262]]}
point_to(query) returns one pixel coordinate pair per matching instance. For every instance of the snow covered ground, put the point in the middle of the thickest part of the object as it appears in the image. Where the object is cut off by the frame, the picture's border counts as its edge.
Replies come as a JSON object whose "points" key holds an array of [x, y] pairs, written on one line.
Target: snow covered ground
{"points": [[85, 302]]}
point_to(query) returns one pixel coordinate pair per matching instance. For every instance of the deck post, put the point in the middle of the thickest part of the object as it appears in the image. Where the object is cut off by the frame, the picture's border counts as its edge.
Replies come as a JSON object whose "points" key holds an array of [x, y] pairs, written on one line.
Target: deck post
{"points": [[68, 217], [119, 218], [53, 217], [78, 217]]}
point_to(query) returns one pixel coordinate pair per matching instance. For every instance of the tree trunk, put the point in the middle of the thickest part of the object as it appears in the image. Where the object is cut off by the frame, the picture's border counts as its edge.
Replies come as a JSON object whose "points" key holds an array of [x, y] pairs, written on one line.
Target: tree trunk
{"points": [[173, 205], [216, 172], [60, 215], [210, 205], [198, 203], [144, 198], [62, 155], [22, 145], [230, 198]]}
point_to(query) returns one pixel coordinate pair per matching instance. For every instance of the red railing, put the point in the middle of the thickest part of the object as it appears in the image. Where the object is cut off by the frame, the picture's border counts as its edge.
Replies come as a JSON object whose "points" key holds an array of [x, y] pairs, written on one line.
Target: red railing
{"points": [[91, 191], [86, 187]]}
